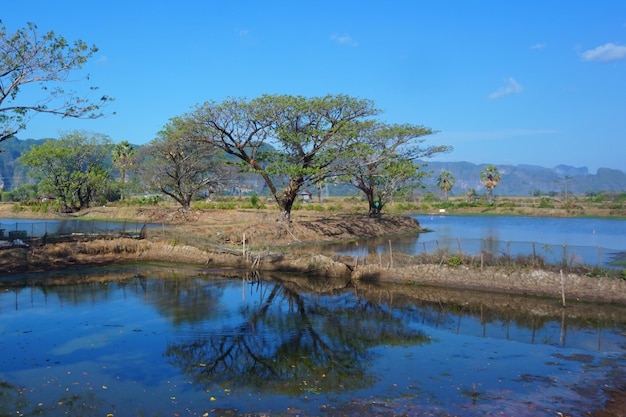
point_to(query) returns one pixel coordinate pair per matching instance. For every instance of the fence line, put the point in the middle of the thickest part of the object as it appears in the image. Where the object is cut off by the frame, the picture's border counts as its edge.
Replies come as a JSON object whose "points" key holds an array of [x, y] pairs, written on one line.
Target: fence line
{"points": [[10, 232], [556, 254]]}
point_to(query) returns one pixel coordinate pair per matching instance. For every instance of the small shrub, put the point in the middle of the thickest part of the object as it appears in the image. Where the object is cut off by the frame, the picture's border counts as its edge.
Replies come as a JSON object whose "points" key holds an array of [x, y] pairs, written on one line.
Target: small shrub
{"points": [[152, 200], [225, 205], [444, 205], [465, 204], [313, 207], [545, 202], [596, 272], [454, 261]]}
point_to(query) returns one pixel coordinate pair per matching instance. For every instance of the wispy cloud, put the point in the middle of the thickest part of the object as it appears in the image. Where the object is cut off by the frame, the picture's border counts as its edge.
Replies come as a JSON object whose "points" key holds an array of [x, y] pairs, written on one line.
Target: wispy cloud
{"points": [[605, 53], [511, 87], [344, 40], [246, 37], [538, 46]]}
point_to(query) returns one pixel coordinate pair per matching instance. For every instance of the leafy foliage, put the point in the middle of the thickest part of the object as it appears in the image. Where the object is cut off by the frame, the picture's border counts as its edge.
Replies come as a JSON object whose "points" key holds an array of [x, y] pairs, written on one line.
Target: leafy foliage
{"points": [[381, 162], [445, 181], [29, 60], [175, 165], [307, 134], [490, 177], [71, 168]]}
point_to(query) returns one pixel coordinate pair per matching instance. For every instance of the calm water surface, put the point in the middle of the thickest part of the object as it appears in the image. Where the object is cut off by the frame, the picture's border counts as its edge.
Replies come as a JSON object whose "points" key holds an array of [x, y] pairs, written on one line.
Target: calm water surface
{"points": [[592, 241], [165, 341], [608, 233]]}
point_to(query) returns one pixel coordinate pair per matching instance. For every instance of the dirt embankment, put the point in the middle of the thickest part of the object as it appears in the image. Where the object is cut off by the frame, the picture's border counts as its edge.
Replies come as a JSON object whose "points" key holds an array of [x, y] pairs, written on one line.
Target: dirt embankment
{"points": [[273, 245]]}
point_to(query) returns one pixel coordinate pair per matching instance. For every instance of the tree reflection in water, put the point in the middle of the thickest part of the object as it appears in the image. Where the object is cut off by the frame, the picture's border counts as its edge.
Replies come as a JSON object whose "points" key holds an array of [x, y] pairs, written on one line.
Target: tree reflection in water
{"points": [[290, 342]]}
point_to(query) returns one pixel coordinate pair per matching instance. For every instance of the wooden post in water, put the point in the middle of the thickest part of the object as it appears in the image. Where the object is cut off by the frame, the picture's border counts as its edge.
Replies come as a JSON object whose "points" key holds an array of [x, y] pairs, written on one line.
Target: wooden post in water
{"points": [[458, 241], [244, 247], [562, 288], [390, 255]]}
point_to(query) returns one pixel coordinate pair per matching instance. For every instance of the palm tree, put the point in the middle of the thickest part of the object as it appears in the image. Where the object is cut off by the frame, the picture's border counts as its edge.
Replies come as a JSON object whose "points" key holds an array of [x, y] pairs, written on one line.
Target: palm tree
{"points": [[445, 181], [124, 158], [490, 177]]}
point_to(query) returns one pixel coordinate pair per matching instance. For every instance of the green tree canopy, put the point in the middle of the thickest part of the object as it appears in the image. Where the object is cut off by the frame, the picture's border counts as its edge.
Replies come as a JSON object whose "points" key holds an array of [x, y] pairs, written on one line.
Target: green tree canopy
{"points": [[382, 162], [175, 165], [307, 136], [124, 159], [71, 168], [490, 178], [30, 61], [445, 182]]}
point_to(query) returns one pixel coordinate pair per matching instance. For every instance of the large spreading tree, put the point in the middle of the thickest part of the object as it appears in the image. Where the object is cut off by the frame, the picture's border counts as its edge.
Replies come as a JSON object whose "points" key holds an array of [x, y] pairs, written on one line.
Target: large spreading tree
{"points": [[291, 141], [383, 162], [72, 168], [175, 165], [37, 66]]}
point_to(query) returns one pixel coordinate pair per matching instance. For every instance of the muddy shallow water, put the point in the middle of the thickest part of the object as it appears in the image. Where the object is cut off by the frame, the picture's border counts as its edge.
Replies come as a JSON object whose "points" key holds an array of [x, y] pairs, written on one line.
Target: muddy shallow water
{"points": [[162, 340]]}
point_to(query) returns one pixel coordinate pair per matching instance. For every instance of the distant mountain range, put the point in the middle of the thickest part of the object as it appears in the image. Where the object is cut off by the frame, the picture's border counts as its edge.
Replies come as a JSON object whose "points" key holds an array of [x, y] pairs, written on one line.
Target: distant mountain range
{"points": [[524, 180], [517, 180]]}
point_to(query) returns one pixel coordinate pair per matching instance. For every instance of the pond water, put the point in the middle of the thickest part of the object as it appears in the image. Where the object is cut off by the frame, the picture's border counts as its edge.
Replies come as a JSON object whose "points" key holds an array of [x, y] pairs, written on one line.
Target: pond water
{"points": [[608, 233], [39, 228], [592, 241], [164, 340]]}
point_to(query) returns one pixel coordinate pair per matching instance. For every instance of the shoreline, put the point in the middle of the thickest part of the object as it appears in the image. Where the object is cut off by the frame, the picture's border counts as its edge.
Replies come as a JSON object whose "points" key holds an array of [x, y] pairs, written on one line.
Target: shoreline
{"points": [[254, 240], [19, 264]]}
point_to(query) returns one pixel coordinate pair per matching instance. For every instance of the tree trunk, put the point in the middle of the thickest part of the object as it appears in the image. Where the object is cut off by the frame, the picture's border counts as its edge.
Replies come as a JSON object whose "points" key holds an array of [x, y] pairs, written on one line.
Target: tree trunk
{"points": [[374, 206], [285, 209]]}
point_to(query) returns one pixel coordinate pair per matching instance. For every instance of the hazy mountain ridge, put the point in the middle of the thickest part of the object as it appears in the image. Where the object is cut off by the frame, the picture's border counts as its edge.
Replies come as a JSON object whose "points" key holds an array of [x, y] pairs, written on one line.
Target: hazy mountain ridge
{"points": [[524, 179], [517, 180]]}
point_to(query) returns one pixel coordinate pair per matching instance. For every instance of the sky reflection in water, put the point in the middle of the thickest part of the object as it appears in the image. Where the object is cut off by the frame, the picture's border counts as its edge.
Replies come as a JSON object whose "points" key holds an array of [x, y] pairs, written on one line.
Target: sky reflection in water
{"points": [[192, 344]]}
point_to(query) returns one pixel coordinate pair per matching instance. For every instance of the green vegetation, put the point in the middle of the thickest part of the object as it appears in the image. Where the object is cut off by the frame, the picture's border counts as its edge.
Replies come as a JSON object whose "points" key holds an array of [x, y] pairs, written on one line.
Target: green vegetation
{"points": [[71, 169], [490, 177], [31, 59]]}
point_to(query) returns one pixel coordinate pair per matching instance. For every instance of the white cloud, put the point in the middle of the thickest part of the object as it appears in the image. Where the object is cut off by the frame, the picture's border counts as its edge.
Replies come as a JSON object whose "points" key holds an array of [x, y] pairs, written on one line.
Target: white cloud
{"points": [[242, 32], [511, 87], [605, 53], [538, 46], [344, 40]]}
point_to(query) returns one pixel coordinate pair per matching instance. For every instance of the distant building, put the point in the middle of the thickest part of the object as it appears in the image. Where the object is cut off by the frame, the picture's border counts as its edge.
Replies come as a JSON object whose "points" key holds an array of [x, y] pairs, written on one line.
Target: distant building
{"points": [[305, 196]]}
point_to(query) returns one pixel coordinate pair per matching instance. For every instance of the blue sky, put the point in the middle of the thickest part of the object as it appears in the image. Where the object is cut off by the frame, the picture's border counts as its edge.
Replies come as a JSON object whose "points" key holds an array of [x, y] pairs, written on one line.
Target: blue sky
{"points": [[503, 82]]}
